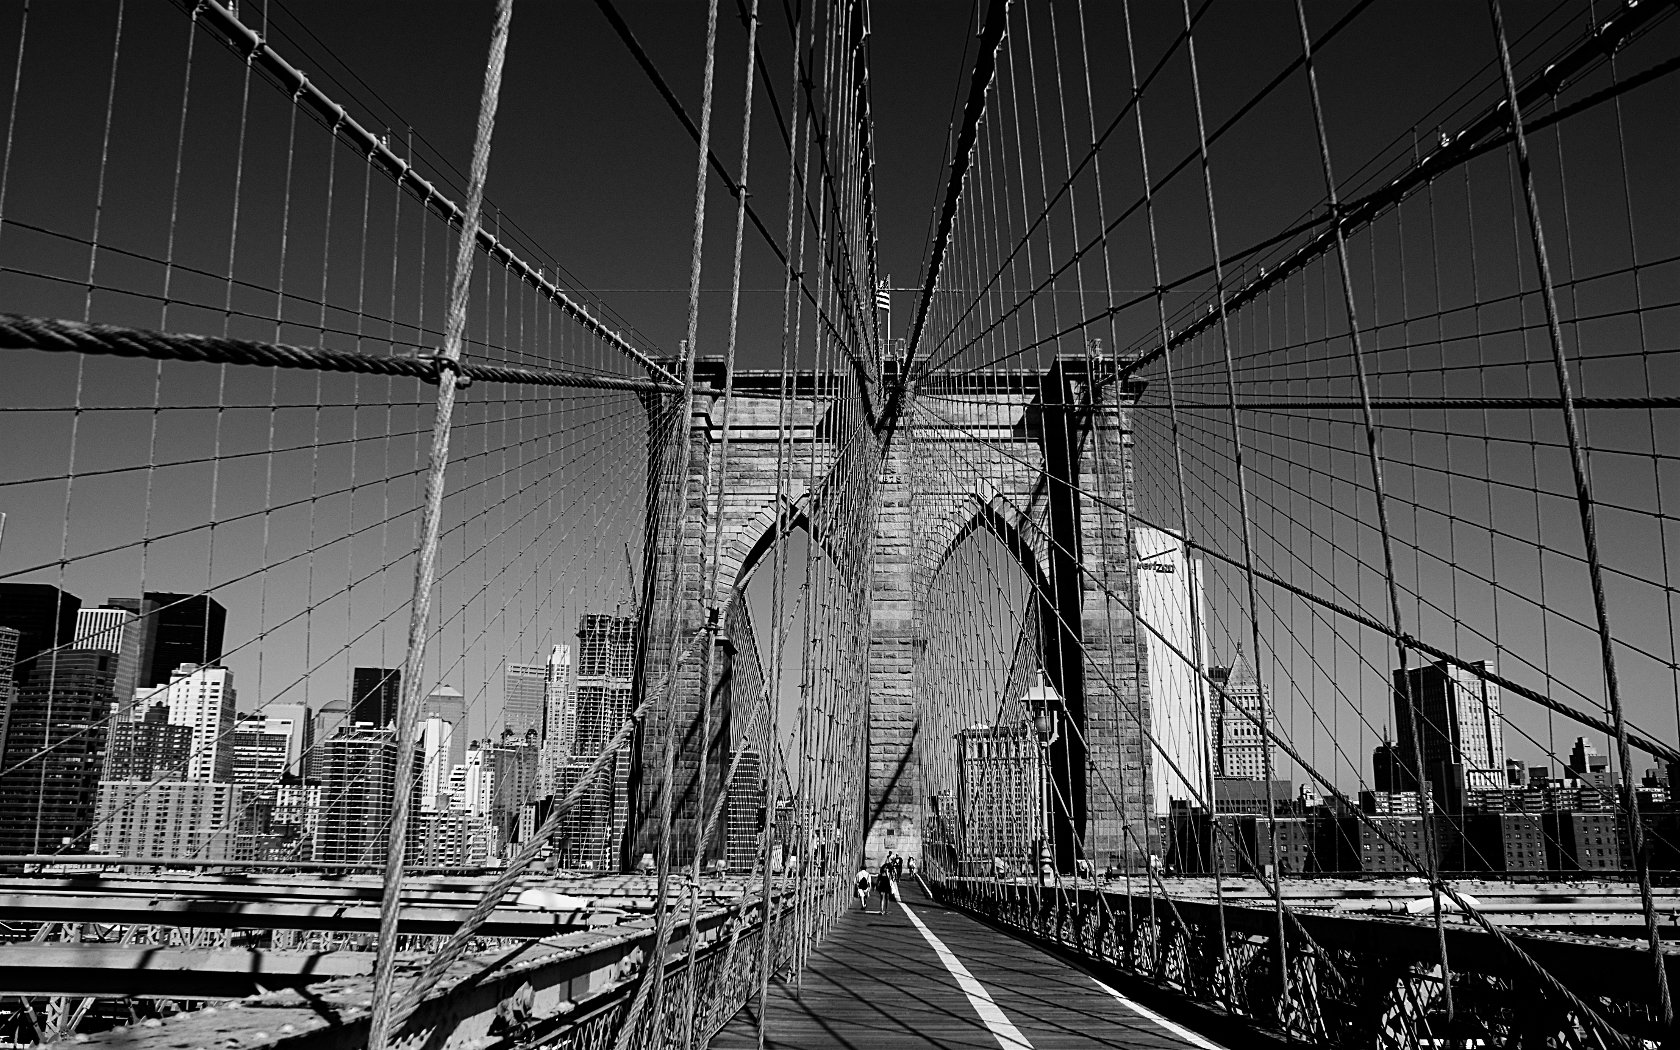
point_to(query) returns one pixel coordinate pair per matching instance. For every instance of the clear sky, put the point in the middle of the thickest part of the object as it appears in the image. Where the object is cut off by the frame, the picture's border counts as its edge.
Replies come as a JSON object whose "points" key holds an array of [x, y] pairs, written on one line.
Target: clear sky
{"points": [[593, 178]]}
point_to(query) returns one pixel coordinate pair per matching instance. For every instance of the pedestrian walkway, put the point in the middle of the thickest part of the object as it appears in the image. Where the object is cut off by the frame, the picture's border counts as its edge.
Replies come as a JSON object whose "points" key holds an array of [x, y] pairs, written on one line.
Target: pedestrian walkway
{"points": [[927, 978]]}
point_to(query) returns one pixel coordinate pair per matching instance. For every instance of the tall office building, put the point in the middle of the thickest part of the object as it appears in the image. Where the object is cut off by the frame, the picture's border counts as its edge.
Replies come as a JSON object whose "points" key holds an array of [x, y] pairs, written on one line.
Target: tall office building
{"points": [[150, 749], [1170, 600], [325, 722], [186, 631], [1000, 792], [436, 744], [606, 669], [448, 704], [43, 616], [358, 783], [300, 731], [1240, 747], [144, 626], [501, 778], [375, 695], [116, 631], [261, 749], [523, 689], [53, 753], [1460, 730], [584, 838], [204, 699], [559, 731]]}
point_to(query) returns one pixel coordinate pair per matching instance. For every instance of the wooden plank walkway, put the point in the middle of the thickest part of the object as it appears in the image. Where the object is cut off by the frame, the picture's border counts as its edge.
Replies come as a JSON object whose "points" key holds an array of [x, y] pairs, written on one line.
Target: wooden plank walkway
{"points": [[877, 983]]}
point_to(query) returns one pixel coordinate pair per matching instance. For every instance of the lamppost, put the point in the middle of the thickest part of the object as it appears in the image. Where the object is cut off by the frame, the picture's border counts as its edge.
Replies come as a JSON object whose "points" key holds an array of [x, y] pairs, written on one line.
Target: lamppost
{"points": [[1044, 703]]}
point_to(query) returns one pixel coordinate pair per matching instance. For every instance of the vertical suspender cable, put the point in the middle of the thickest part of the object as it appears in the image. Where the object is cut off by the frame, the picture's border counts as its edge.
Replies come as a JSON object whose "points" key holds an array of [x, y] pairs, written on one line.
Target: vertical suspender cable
{"points": [[426, 561], [714, 612], [1374, 457], [652, 984], [1242, 484], [1589, 524]]}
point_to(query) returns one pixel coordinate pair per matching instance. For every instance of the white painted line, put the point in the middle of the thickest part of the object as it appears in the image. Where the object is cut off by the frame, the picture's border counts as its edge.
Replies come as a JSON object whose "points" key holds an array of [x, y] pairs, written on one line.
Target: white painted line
{"points": [[1145, 1012], [1008, 1036]]}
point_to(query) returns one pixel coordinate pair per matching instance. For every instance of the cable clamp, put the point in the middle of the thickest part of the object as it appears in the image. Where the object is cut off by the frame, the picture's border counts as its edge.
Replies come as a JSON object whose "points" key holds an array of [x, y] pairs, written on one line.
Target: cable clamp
{"points": [[445, 363]]}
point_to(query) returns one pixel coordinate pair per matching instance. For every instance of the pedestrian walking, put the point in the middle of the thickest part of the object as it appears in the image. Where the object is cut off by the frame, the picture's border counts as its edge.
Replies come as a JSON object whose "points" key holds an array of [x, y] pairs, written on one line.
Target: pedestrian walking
{"points": [[861, 885], [886, 887]]}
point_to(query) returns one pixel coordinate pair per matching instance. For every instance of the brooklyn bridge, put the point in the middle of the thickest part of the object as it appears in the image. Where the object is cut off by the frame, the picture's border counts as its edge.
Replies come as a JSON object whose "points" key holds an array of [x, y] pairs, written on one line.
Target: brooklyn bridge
{"points": [[839, 525]]}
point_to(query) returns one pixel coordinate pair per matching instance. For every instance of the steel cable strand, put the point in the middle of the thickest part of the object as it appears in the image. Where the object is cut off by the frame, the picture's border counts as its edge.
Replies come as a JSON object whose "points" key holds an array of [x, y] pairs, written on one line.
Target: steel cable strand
{"points": [[653, 978], [1644, 743], [714, 613], [446, 954], [1584, 501], [1374, 460], [1549, 980], [18, 332], [380, 1026]]}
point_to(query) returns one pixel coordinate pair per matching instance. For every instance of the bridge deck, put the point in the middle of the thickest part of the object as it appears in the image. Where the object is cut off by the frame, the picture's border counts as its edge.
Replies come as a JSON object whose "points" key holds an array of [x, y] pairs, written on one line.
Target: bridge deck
{"points": [[881, 982]]}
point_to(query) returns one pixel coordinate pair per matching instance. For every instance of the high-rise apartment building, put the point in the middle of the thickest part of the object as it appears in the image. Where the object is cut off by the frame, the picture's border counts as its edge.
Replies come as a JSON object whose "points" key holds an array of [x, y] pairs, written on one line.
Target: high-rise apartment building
{"points": [[358, 784], [43, 616], [116, 631], [1000, 792], [203, 698], [1170, 600], [53, 753], [167, 820], [1241, 748], [375, 695], [523, 689], [1459, 729], [150, 749], [559, 731]]}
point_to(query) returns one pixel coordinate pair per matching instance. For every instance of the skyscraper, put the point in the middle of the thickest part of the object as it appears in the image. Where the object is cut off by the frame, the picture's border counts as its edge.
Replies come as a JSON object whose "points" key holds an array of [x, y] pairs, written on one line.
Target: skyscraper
{"points": [[559, 716], [375, 694], [116, 631], [53, 753], [8, 666], [358, 783], [448, 704], [326, 721], [150, 749], [1170, 600], [186, 632], [169, 820], [144, 627], [301, 732], [43, 616], [204, 699], [523, 689], [436, 745], [1241, 748], [1460, 730], [606, 667]]}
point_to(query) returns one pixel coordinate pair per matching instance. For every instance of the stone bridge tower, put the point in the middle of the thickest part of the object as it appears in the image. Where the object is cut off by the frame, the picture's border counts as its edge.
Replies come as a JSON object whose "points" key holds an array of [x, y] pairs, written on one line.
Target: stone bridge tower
{"points": [[1039, 459]]}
